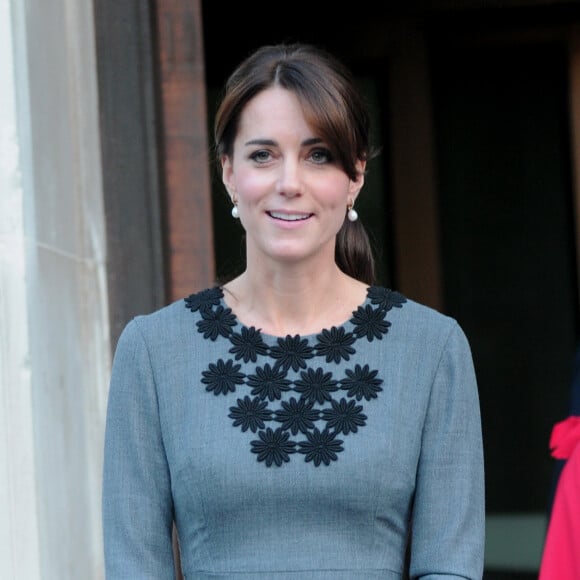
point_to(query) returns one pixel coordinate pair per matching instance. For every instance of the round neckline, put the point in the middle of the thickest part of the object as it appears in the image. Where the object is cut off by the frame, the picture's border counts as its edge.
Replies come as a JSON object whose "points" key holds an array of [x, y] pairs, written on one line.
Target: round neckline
{"points": [[310, 336], [299, 394]]}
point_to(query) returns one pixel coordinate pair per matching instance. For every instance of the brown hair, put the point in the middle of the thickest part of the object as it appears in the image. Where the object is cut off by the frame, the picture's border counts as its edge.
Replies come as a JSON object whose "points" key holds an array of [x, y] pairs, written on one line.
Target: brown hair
{"points": [[332, 106]]}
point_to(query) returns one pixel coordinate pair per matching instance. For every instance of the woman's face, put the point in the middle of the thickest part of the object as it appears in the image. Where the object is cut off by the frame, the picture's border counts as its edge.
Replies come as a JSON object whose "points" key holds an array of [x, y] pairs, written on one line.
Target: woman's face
{"points": [[291, 194]]}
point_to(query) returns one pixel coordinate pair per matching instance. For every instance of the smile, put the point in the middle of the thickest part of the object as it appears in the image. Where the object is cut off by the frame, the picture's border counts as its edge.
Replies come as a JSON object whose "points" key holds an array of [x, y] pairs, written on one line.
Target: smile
{"points": [[289, 217]]}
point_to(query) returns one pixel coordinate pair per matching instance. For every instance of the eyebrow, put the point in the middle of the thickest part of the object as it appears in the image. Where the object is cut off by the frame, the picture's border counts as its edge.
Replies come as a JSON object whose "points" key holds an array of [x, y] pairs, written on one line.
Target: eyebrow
{"points": [[271, 142]]}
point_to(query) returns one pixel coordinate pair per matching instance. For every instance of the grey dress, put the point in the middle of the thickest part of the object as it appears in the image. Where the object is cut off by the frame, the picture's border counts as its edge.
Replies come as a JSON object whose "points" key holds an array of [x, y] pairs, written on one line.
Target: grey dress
{"points": [[298, 457]]}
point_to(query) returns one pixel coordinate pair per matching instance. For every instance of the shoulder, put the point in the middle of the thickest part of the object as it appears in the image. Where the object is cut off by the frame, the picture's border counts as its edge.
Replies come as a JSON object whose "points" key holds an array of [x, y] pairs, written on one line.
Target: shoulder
{"points": [[413, 317], [417, 328], [183, 308], [172, 324]]}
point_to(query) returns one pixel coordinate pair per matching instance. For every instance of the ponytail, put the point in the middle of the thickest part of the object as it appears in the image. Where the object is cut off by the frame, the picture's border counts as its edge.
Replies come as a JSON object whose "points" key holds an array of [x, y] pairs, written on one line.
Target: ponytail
{"points": [[353, 252]]}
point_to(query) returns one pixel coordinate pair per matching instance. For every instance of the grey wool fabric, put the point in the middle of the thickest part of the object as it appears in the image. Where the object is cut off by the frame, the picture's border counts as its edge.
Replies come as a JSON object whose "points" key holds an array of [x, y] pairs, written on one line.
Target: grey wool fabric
{"points": [[298, 457]]}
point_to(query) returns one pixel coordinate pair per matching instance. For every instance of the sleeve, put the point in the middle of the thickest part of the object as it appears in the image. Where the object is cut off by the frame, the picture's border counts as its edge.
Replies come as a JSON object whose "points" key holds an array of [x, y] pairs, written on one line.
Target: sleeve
{"points": [[561, 553], [137, 501], [448, 526]]}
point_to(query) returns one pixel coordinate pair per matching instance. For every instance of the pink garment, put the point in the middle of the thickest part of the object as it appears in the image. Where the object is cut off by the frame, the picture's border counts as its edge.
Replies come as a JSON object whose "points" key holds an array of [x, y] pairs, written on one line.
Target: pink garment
{"points": [[561, 554]]}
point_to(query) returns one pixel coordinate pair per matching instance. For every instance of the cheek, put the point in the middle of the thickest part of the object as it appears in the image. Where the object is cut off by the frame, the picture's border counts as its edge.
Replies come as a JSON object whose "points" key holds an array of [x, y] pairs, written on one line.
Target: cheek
{"points": [[250, 184], [335, 192]]}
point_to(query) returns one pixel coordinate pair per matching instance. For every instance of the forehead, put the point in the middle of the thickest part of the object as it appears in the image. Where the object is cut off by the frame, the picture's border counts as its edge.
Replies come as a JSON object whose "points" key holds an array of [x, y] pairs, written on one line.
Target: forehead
{"points": [[274, 108]]}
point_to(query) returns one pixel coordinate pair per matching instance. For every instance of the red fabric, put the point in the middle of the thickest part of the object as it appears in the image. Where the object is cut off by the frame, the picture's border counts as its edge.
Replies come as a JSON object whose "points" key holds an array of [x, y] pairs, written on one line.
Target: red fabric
{"points": [[561, 554], [565, 436]]}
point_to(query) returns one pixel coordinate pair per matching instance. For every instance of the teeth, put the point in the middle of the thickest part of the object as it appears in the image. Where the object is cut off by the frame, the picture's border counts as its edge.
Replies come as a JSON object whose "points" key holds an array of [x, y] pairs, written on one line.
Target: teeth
{"points": [[290, 217]]}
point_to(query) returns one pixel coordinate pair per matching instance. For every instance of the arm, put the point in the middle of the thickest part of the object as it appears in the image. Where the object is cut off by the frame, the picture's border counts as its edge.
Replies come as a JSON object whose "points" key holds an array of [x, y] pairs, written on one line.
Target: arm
{"points": [[137, 501], [449, 506]]}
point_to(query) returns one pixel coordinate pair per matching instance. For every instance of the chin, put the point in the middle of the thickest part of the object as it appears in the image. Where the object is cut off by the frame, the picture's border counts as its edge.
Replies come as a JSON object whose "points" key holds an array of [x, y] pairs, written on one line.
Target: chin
{"points": [[295, 253]]}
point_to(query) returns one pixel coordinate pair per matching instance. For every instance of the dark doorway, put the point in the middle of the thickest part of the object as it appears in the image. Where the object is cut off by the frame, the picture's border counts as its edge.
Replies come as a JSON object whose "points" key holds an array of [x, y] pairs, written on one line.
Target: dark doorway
{"points": [[502, 150]]}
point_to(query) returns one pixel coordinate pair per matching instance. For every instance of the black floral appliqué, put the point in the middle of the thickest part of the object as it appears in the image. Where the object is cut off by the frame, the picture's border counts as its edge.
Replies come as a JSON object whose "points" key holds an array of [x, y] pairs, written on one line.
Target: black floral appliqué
{"points": [[292, 352], [204, 299], [250, 414], [321, 447], [362, 382], [335, 344], [216, 322], [268, 383], [297, 416], [370, 322], [286, 385], [248, 345], [385, 298], [344, 417], [316, 385], [273, 447], [222, 377]]}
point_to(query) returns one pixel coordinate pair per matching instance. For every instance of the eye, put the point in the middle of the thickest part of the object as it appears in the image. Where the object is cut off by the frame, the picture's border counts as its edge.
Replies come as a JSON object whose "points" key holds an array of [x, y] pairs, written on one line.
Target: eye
{"points": [[261, 156], [321, 156]]}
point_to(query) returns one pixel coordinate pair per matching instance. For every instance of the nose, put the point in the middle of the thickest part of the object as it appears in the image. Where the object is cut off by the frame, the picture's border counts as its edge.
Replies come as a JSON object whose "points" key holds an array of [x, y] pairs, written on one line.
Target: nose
{"points": [[290, 181]]}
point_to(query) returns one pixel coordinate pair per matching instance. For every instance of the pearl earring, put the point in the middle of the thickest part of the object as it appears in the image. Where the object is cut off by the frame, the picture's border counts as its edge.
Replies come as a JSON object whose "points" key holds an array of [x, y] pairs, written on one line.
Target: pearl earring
{"points": [[352, 214], [235, 212]]}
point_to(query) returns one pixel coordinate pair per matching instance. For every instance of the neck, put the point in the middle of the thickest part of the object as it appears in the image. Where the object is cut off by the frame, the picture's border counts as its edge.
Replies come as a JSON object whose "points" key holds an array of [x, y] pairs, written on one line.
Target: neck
{"points": [[294, 303]]}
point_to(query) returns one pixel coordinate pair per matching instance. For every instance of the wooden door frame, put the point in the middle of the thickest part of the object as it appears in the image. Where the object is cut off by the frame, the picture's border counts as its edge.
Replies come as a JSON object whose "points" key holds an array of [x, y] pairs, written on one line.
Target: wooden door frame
{"points": [[155, 154], [155, 164], [130, 167], [185, 146]]}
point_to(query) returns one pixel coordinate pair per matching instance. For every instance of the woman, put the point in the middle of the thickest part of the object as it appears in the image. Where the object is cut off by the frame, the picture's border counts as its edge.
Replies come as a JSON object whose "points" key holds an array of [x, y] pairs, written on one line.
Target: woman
{"points": [[297, 421]]}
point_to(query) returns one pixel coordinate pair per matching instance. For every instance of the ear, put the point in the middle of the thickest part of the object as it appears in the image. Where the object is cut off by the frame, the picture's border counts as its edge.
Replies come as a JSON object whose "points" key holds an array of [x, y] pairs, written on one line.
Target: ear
{"points": [[227, 175], [356, 185]]}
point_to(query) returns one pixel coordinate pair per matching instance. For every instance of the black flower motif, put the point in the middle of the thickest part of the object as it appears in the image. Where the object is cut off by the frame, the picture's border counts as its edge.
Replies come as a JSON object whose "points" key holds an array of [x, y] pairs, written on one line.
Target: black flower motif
{"points": [[292, 351], [296, 416], [370, 322], [344, 417], [204, 299], [248, 345], [269, 382], [385, 298], [362, 382], [273, 447], [321, 447], [316, 385], [250, 414], [216, 321], [335, 344], [222, 378]]}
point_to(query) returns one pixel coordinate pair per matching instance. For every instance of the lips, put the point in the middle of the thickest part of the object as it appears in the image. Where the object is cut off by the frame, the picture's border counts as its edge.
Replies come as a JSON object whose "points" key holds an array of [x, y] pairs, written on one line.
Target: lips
{"points": [[289, 217]]}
